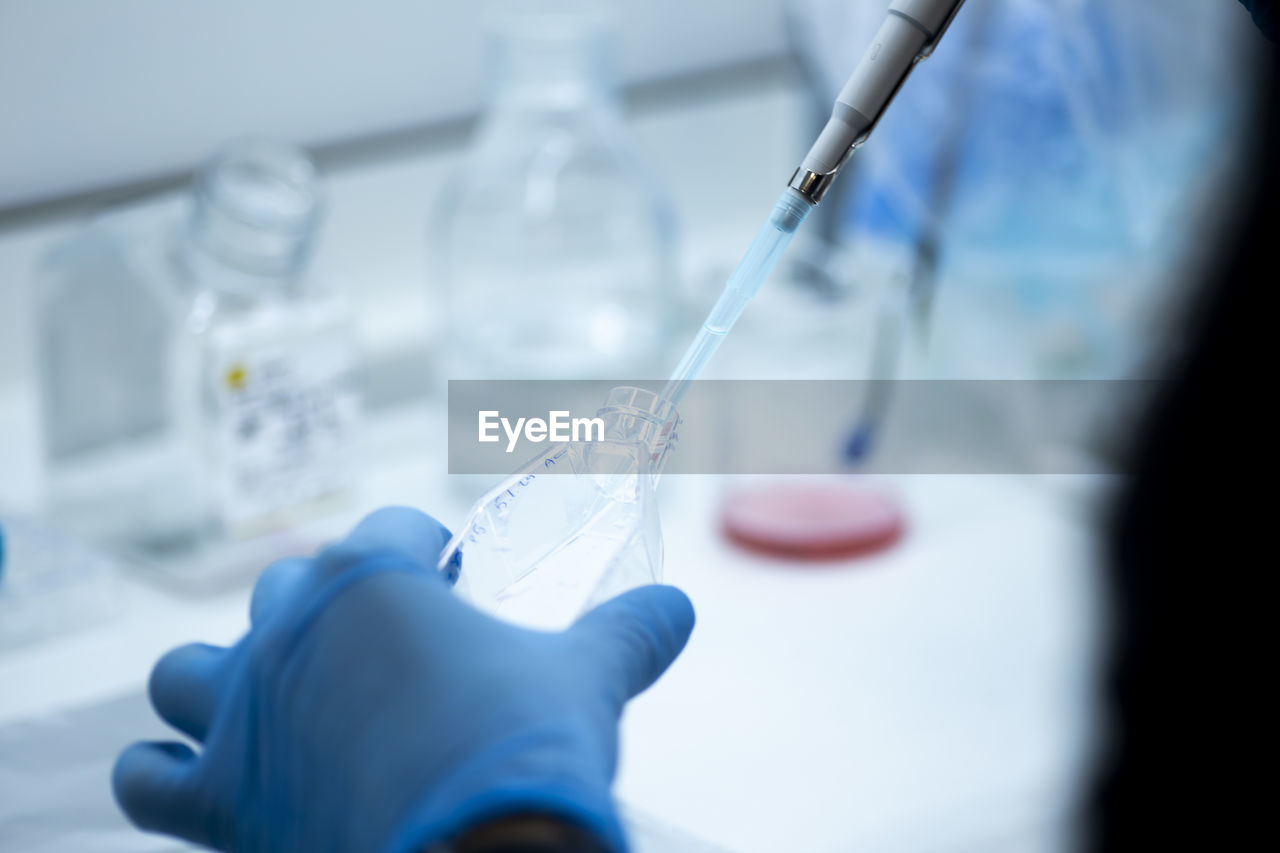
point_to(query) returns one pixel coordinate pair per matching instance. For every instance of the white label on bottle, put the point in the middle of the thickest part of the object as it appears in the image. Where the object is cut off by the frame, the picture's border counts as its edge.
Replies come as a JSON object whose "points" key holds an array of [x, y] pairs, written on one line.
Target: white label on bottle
{"points": [[286, 417]]}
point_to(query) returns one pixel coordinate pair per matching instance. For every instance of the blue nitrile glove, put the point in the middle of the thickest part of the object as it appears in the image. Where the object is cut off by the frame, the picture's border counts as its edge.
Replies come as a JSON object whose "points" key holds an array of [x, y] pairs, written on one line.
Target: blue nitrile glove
{"points": [[369, 709]]}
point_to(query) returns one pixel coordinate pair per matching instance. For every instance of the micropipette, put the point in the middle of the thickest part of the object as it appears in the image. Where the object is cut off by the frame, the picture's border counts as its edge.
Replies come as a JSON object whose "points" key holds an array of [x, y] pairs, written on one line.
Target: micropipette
{"points": [[909, 33]]}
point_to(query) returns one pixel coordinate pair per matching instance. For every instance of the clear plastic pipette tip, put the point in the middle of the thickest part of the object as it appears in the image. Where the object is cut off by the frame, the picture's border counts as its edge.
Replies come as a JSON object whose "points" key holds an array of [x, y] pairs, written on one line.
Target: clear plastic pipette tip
{"points": [[761, 257]]}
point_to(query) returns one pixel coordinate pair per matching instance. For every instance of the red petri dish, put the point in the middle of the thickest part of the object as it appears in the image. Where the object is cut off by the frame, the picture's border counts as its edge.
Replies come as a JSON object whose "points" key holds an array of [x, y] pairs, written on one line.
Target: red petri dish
{"points": [[813, 520]]}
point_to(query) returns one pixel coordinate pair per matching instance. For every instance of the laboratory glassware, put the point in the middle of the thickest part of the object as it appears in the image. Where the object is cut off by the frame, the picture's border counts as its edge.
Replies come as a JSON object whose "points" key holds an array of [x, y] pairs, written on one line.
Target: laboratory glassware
{"points": [[812, 518], [553, 239], [196, 383], [575, 526]]}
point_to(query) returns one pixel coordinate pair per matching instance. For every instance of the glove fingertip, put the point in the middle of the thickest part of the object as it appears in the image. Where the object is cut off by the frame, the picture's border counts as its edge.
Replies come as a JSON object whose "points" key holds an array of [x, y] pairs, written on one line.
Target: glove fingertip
{"points": [[185, 684], [281, 582], [665, 609], [639, 634], [677, 609], [151, 784]]}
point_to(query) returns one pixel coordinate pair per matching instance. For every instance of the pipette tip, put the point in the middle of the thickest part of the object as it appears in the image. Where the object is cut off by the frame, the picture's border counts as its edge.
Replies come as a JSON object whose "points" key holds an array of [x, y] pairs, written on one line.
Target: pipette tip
{"points": [[790, 210]]}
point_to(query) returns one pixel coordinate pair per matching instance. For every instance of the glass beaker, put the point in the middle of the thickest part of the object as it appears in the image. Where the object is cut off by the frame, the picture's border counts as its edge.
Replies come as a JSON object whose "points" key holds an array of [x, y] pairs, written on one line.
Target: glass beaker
{"points": [[575, 526], [553, 238]]}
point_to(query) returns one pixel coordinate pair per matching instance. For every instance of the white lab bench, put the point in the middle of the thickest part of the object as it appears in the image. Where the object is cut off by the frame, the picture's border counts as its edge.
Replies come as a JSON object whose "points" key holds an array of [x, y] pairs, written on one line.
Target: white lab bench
{"points": [[934, 697]]}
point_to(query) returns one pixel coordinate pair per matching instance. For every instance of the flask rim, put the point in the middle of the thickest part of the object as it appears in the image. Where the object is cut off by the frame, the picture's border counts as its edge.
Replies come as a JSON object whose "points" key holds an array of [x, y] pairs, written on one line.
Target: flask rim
{"points": [[658, 414]]}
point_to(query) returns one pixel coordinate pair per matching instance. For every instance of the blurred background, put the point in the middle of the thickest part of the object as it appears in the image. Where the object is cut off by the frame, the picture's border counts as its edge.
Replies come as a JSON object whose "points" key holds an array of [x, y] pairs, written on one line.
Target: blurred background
{"points": [[244, 245]]}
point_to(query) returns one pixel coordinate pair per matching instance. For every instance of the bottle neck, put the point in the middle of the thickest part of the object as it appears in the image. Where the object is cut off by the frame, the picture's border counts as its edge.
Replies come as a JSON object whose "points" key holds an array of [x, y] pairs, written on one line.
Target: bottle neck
{"points": [[255, 210], [554, 61], [636, 415]]}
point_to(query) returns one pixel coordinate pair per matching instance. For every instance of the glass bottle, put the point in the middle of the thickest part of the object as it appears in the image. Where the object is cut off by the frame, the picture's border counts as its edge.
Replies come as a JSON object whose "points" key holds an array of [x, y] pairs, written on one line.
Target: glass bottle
{"points": [[108, 360], [574, 527], [197, 386], [553, 239]]}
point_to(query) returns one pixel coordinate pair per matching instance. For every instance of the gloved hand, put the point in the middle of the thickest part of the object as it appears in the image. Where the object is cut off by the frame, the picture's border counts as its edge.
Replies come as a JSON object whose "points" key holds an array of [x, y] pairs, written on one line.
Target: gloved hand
{"points": [[369, 709]]}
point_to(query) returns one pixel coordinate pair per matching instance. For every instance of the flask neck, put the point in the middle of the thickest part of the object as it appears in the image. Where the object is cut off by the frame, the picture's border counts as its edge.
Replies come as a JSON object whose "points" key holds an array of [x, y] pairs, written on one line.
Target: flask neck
{"points": [[254, 213], [636, 415], [553, 58]]}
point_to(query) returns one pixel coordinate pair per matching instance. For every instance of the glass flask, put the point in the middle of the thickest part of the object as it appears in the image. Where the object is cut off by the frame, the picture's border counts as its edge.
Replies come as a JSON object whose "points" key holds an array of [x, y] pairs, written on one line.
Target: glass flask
{"points": [[195, 385], [553, 239], [575, 526]]}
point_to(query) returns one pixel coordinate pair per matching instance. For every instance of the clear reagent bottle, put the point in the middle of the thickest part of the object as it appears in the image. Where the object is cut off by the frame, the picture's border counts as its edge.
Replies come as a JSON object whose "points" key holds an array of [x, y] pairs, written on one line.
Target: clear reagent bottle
{"points": [[196, 386], [553, 239]]}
